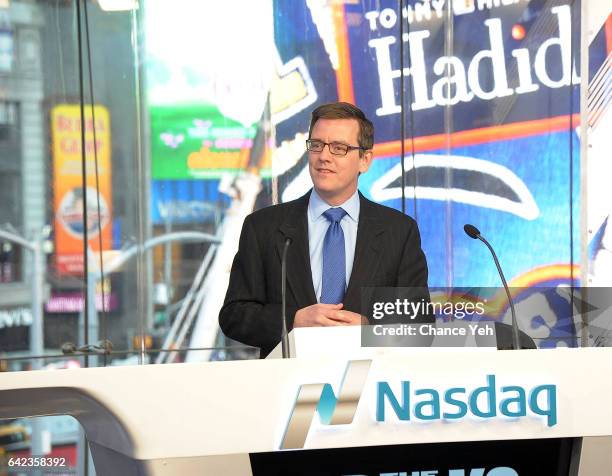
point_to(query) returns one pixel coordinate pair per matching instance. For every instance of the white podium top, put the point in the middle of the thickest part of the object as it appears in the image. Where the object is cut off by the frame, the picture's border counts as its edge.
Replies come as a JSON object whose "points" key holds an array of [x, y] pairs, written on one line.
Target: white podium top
{"points": [[346, 342]]}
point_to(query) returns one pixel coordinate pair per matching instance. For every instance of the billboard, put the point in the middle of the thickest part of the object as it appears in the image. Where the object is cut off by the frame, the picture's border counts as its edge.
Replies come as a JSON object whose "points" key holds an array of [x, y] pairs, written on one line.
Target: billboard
{"points": [[207, 102], [68, 197], [206, 98]]}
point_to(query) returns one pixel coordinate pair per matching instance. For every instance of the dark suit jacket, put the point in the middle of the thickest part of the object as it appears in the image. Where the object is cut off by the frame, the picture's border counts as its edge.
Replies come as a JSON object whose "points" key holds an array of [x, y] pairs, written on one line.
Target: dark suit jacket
{"points": [[387, 253]]}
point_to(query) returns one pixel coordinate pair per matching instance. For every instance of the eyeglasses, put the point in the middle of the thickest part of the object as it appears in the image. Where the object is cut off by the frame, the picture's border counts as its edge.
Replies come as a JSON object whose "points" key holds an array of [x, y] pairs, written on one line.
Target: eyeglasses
{"points": [[336, 148]]}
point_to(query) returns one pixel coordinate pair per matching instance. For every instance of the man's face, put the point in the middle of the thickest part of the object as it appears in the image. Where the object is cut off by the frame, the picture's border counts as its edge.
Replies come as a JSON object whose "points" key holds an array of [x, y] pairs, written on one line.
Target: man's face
{"points": [[334, 176]]}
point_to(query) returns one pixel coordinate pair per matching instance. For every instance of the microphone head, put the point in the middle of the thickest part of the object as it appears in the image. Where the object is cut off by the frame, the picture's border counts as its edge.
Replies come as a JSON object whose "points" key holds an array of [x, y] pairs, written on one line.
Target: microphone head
{"points": [[471, 231]]}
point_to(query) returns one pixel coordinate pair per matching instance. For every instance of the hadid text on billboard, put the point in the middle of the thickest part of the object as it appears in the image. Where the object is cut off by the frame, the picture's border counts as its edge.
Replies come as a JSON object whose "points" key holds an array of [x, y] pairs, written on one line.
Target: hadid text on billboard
{"points": [[460, 81]]}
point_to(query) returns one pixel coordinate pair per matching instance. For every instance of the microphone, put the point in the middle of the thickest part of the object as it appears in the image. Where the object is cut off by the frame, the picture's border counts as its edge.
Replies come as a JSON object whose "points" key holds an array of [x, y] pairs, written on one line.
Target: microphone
{"points": [[474, 233], [284, 334]]}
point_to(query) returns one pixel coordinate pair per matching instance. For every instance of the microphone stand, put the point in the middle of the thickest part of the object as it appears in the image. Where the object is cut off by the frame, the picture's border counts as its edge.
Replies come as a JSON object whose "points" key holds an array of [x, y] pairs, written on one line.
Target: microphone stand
{"points": [[284, 334], [474, 233], [515, 331]]}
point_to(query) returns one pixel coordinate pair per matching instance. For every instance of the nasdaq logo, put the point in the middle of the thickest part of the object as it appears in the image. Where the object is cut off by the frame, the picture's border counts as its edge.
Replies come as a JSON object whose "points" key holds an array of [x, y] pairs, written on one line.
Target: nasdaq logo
{"points": [[320, 397], [488, 401], [408, 403]]}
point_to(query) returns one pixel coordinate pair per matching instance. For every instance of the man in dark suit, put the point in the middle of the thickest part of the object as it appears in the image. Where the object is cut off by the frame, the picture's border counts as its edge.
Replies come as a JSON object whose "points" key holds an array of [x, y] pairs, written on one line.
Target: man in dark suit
{"points": [[341, 242]]}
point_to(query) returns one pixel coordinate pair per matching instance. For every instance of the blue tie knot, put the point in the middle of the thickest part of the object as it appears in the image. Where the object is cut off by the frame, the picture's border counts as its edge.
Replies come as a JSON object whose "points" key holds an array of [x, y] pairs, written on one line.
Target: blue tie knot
{"points": [[334, 215]]}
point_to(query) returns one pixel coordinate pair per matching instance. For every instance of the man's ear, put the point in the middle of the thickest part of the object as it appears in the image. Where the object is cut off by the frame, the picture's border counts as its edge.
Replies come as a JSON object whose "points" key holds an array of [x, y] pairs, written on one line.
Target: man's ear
{"points": [[365, 161]]}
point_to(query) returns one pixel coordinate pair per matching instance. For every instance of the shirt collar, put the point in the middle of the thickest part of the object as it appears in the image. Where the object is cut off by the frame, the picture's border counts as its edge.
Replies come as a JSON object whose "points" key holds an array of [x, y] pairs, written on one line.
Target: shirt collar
{"points": [[317, 206]]}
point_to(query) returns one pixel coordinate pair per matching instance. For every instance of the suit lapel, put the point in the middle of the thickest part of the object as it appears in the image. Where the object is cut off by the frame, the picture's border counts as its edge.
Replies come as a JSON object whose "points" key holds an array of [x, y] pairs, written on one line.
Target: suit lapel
{"points": [[299, 276], [367, 250]]}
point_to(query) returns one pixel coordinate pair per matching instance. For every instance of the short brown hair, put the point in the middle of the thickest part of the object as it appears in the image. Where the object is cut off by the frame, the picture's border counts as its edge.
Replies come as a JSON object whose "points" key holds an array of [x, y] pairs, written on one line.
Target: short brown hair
{"points": [[345, 110]]}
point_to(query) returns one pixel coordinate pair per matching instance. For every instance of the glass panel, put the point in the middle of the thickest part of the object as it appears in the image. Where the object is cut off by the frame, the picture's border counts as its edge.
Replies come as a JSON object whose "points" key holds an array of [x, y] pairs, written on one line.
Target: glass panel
{"points": [[476, 109], [596, 121], [186, 148], [69, 76], [210, 142], [501, 83], [530, 153]]}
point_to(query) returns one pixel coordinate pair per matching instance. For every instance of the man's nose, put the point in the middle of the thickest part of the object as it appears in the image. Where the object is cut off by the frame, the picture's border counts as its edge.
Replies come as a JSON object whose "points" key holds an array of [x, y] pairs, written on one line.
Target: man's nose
{"points": [[325, 154]]}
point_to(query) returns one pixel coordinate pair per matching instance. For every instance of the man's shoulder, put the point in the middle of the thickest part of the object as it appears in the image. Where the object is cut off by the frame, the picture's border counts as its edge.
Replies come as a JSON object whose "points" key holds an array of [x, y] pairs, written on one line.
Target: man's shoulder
{"points": [[276, 214], [387, 215]]}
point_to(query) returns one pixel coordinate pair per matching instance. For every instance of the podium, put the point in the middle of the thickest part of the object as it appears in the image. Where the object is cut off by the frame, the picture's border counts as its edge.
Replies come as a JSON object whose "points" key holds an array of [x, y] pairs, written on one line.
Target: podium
{"points": [[373, 411], [315, 342]]}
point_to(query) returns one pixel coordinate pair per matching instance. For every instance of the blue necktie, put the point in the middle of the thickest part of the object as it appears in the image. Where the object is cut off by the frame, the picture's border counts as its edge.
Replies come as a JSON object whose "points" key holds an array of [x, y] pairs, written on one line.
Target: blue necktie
{"points": [[334, 259]]}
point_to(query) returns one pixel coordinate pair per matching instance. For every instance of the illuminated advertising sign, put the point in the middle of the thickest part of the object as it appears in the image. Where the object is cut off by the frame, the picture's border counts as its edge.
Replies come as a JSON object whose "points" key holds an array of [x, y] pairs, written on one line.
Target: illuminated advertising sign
{"points": [[489, 75], [68, 199], [69, 302], [207, 84], [15, 317], [206, 97], [198, 142]]}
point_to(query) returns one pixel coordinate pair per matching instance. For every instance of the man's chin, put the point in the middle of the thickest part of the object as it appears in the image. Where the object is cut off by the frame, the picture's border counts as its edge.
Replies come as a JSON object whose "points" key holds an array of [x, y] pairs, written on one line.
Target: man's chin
{"points": [[324, 189]]}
